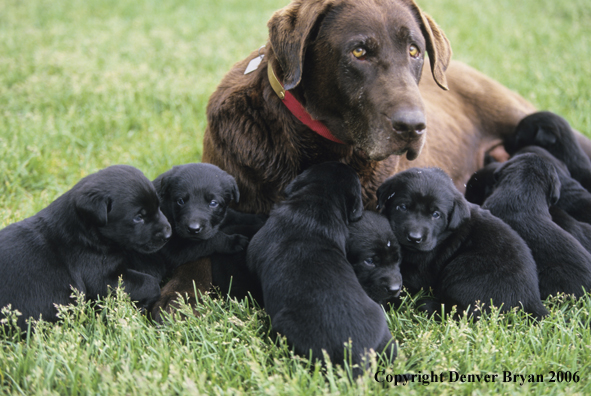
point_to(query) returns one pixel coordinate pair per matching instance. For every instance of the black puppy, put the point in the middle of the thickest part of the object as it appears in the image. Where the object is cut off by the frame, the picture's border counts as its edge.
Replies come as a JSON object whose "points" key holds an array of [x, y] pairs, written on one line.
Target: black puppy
{"points": [[194, 198], [79, 241], [481, 184], [460, 251], [309, 288], [526, 187], [374, 253], [552, 132]]}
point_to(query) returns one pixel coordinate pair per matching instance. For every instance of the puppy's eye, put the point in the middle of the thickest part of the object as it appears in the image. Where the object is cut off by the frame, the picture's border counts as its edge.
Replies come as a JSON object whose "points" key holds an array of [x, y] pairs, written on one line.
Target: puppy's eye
{"points": [[414, 52], [436, 215], [138, 219], [214, 204], [401, 207], [359, 53], [180, 202], [369, 262]]}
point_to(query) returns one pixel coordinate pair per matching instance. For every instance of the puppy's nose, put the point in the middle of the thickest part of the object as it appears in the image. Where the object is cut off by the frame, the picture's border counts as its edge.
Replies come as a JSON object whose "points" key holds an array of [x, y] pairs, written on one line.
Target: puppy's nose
{"points": [[167, 232], [194, 228], [394, 289], [409, 121], [415, 237]]}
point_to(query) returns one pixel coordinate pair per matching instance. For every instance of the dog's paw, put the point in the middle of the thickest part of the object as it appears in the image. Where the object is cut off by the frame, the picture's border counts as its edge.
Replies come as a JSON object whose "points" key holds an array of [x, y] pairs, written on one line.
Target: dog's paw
{"points": [[238, 243]]}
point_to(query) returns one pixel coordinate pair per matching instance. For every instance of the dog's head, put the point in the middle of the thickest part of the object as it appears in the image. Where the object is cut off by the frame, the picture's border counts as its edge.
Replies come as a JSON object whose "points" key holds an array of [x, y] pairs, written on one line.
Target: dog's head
{"points": [[481, 184], [356, 65], [374, 253], [528, 176], [334, 183], [195, 198], [547, 130], [122, 205], [423, 206]]}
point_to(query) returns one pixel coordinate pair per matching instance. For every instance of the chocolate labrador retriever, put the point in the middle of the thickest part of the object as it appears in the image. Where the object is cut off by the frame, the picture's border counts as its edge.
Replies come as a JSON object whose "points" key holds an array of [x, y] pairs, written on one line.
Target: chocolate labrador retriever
{"points": [[350, 70], [346, 80]]}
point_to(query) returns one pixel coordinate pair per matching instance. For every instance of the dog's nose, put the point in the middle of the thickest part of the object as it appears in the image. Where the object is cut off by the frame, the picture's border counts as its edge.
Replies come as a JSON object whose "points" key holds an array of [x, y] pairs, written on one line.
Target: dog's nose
{"points": [[394, 289], [167, 232], [415, 237], [409, 121], [194, 228]]}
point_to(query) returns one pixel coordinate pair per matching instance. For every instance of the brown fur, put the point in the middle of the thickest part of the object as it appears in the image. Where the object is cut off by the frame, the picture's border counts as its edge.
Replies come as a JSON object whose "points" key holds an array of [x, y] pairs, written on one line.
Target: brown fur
{"points": [[253, 136], [181, 286]]}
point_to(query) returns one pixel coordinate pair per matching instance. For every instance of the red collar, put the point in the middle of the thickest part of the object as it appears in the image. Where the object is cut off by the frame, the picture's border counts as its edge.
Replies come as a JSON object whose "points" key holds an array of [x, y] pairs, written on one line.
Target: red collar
{"points": [[297, 109]]}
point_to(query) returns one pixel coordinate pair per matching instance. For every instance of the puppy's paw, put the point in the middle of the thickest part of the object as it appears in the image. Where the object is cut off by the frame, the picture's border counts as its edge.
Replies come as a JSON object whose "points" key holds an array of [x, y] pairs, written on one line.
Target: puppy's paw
{"points": [[238, 243]]}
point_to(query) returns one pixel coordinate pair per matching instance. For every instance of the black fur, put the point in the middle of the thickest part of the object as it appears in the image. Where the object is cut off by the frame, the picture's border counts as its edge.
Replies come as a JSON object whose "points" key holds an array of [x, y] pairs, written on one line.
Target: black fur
{"points": [[229, 271], [526, 187], [455, 248], [572, 212], [194, 198], [552, 132], [79, 241], [374, 253], [309, 288], [481, 184]]}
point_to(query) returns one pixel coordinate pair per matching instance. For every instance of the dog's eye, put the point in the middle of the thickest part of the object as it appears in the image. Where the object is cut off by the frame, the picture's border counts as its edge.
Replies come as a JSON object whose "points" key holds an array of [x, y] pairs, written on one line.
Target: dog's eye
{"points": [[138, 219], [369, 262], [359, 53], [214, 204], [401, 207], [180, 201], [413, 50], [436, 215]]}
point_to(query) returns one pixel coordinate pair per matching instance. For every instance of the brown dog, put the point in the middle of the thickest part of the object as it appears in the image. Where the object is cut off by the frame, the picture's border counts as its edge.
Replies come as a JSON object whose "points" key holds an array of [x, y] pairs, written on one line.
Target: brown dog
{"points": [[355, 66]]}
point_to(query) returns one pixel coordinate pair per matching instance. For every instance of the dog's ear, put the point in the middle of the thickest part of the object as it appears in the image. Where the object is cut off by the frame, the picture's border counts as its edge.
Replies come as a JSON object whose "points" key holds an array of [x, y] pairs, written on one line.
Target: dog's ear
{"points": [[555, 185], [438, 46], [384, 193], [233, 187], [460, 212], [162, 183], [356, 209], [544, 137], [93, 207], [289, 34]]}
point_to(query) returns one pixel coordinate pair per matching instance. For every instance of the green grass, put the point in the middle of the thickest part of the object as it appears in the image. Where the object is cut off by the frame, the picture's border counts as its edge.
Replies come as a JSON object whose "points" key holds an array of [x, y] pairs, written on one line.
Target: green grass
{"points": [[89, 83]]}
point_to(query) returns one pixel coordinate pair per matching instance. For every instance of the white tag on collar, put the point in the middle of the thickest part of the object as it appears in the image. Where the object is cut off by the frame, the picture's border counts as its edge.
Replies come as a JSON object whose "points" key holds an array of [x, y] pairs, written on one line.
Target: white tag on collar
{"points": [[254, 64]]}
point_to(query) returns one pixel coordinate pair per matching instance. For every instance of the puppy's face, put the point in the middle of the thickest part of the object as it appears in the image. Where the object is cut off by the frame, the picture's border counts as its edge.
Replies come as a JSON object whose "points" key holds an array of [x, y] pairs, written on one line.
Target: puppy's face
{"points": [[374, 253], [423, 207], [122, 203], [195, 198]]}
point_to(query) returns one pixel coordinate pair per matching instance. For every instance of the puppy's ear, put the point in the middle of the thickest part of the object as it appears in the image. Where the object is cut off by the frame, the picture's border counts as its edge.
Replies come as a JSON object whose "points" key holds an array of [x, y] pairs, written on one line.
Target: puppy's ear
{"points": [[290, 30], [460, 212], [554, 188], [438, 46], [162, 183], [356, 210], [233, 187], [544, 137], [384, 193], [93, 208]]}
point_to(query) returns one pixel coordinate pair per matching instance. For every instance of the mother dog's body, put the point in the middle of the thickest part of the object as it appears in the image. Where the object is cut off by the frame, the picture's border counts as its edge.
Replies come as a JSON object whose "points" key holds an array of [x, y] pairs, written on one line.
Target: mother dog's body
{"points": [[253, 136]]}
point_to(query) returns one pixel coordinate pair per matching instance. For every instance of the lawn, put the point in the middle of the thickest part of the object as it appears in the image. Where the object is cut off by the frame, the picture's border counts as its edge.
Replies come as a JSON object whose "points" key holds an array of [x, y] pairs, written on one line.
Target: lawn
{"points": [[85, 84]]}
